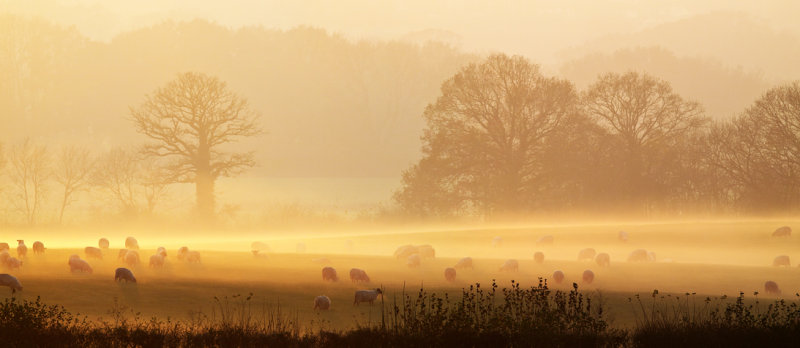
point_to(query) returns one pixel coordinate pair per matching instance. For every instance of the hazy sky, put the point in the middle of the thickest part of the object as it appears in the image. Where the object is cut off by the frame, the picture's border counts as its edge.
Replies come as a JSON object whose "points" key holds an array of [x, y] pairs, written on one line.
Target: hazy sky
{"points": [[537, 29]]}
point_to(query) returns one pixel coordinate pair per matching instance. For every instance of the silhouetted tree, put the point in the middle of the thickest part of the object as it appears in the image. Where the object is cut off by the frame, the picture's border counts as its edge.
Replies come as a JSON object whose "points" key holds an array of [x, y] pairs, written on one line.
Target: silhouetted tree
{"points": [[29, 174], [191, 119], [135, 182], [73, 167], [646, 119], [484, 138]]}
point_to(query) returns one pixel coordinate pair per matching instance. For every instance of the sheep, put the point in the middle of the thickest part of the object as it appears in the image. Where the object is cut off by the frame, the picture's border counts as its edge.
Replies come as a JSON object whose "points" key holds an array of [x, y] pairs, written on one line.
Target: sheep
{"points": [[38, 248], [4, 246], [510, 265], [771, 287], [322, 303], [588, 276], [366, 296], [162, 251], [587, 254], [92, 252], [22, 250], [603, 259], [301, 248], [4, 256], [103, 243], [545, 240], [193, 256], [558, 277], [538, 257], [125, 274], [182, 252], [13, 263], [156, 261], [464, 263], [11, 282], [413, 261], [622, 236], [404, 251], [132, 258], [497, 242], [358, 275], [783, 231], [259, 248], [121, 254], [77, 265], [782, 260], [426, 251], [450, 274], [131, 243], [329, 273], [639, 255]]}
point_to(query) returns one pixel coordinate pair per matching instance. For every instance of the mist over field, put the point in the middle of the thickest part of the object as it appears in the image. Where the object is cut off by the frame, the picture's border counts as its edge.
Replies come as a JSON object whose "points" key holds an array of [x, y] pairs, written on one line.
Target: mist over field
{"points": [[223, 149]]}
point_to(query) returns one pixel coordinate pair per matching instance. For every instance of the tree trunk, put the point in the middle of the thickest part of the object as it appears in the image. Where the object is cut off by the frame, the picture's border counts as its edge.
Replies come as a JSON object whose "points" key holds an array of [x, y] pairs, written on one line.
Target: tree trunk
{"points": [[204, 183]]}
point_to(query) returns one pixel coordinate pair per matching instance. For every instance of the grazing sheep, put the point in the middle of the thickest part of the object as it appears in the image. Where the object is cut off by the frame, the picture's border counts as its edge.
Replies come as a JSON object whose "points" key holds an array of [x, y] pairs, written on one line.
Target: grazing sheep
{"points": [[366, 296], [22, 250], [538, 257], [193, 256], [639, 255], [301, 248], [13, 263], [413, 261], [11, 282], [603, 259], [92, 252], [558, 277], [464, 263], [426, 251], [38, 248], [783, 231], [4, 246], [782, 260], [121, 254], [545, 240], [182, 252], [588, 276], [124, 274], [157, 261], [771, 287], [329, 273], [405, 251], [587, 254], [259, 248], [131, 243], [358, 275], [77, 265], [510, 265], [497, 242], [103, 243], [162, 251], [622, 236], [74, 256], [322, 303], [4, 256], [450, 274], [132, 258]]}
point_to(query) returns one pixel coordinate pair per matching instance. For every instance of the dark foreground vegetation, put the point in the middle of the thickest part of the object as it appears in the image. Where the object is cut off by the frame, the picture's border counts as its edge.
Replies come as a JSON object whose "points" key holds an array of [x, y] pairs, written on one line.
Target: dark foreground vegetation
{"points": [[481, 317]]}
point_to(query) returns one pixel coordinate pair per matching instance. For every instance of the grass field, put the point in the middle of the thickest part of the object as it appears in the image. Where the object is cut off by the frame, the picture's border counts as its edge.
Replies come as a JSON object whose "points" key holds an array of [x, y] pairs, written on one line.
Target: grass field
{"points": [[706, 258]]}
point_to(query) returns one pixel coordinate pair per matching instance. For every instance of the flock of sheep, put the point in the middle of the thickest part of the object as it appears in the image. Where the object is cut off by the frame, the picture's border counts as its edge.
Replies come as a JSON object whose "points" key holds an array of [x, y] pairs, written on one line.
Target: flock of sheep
{"points": [[128, 256]]}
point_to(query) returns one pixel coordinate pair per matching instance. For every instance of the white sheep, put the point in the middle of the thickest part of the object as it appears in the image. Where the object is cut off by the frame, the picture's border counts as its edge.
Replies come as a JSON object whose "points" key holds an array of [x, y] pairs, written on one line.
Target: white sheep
{"points": [[11, 282], [366, 296], [131, 243], [538, 257], [13, 263], [124, 274], [329, 273], [4, 256], [4, 246], [77, 265], [162, 251], [413, 261], [426, 251], [121, 254], [603, 259], [464, 263], [358, 275], [38, 248], [558, 277], [450, 274], [587, 254], [92, 252], [182, 252], [588, 276], [132, 258], [771, 287], [193, 256], [405, 251], [783, 231], [22, 250], [510, 265], [322, 303], [103, 243], [156, 261], [782, 260], [545, 240]]}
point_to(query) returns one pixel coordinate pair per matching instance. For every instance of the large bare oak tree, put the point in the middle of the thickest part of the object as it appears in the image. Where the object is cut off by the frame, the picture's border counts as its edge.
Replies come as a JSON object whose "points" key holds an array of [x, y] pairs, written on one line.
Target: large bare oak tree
{"points": [[190, 120]]}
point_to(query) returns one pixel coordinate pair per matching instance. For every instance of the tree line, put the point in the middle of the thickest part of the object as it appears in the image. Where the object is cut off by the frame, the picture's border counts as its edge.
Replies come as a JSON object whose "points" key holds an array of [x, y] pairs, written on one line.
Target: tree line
{"points": [[504, 139]]}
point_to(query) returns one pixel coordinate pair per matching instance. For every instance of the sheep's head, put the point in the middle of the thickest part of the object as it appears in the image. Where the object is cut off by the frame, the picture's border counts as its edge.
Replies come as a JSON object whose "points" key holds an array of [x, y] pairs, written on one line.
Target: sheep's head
{"points": [[379, 291]]}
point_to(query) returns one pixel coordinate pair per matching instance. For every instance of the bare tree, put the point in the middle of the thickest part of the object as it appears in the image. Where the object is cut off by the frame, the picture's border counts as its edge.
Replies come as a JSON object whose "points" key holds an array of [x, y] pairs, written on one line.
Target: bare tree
{"points": [[73, 167], [190, 120], [29, 173], [116, 172]]}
